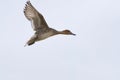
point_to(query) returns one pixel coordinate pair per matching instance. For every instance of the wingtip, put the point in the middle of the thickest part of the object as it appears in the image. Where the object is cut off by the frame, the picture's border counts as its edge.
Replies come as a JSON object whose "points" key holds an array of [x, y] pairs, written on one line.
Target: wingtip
{"points": [[28, 2]]}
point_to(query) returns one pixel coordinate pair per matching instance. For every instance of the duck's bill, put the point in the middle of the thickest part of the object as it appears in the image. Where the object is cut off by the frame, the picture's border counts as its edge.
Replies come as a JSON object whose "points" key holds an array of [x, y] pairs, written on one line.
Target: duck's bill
{"points": [[73, 34]]}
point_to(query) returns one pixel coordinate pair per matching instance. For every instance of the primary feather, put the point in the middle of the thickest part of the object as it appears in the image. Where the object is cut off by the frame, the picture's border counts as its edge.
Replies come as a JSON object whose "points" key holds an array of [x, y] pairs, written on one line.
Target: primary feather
{"points": [[36, 18]]}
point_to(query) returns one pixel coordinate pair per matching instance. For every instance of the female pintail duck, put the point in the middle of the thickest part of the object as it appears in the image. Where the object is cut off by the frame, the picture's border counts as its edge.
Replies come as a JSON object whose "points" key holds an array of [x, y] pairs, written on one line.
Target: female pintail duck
{"points": [[39, 25]]}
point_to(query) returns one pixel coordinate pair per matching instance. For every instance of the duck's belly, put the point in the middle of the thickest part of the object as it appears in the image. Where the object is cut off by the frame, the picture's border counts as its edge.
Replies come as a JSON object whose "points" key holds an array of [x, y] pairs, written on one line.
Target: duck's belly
{"points": [[45, 35]]}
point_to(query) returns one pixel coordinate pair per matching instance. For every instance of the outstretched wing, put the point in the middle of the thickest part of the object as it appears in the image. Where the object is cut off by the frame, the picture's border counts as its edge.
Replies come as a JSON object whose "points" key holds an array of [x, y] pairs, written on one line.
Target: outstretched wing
{"points": [[36, 18]]}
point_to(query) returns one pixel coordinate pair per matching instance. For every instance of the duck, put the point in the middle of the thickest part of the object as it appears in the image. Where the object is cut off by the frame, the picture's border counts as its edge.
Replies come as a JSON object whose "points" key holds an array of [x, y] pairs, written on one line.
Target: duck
{"points": [[39, 25]]}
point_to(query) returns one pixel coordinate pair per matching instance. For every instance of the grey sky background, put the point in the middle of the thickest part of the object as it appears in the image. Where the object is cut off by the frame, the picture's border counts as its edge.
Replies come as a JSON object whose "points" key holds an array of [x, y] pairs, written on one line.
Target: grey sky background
{"points": [[93, 54]]}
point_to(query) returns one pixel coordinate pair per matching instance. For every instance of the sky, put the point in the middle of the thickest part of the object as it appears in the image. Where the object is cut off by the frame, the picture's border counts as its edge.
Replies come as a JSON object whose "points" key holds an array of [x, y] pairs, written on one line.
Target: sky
{"points": [[93, 54]]}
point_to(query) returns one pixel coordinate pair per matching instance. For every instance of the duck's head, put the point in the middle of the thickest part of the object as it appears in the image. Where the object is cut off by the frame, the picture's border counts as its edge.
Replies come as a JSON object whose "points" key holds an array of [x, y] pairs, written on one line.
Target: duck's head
{"points": [[67, 32]]}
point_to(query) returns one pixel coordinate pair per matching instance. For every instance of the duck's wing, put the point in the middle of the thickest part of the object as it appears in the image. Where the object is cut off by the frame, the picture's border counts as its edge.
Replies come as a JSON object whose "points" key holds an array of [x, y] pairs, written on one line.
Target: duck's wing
{"points": [[36, 18]]}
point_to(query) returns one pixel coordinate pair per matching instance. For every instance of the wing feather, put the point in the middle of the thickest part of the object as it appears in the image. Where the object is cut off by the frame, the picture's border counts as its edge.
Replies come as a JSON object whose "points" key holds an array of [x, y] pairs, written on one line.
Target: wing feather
{"points": [[36, 18]]}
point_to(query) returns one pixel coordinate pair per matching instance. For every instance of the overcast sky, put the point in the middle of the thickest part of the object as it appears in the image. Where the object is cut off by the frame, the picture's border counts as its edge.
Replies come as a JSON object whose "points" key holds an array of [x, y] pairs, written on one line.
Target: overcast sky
{"points": [[93, 54]]}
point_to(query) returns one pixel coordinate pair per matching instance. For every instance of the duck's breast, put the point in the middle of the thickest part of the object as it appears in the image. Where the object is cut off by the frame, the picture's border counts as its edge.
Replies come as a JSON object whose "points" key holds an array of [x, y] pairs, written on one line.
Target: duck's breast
{"points": [[45, 35]]}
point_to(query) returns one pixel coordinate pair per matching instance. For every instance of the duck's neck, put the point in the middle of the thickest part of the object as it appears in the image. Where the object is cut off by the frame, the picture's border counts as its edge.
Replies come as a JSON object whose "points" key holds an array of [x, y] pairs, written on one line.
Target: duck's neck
{"points": [[60, 32], [55, 32]]}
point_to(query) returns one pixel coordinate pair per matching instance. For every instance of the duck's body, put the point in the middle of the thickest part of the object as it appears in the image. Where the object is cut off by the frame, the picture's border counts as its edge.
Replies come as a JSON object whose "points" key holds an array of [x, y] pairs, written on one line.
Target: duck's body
{"points": [[41, 35], [45, 34], [42, 30]]}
